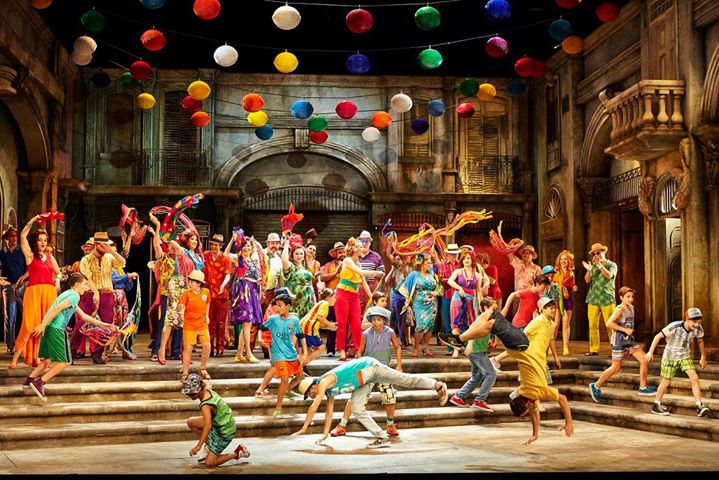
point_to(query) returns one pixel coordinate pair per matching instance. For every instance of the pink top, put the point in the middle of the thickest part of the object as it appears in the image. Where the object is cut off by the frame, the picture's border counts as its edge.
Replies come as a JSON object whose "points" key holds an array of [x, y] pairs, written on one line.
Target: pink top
{"points": [[40, 273]]}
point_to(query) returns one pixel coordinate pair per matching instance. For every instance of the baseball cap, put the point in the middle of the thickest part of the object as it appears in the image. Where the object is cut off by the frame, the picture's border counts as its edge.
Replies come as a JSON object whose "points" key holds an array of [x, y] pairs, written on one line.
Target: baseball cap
{"points": [[694, 314], [543, 302]]}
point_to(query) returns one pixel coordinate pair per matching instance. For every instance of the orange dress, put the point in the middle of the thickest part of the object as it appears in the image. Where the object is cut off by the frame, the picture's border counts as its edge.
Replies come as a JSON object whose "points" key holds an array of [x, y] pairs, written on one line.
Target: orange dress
{"points": [[39, 297]]}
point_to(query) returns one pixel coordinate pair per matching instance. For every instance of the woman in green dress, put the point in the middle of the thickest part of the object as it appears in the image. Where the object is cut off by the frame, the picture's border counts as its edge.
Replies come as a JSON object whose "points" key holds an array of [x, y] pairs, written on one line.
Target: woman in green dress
{"points": [[298, 279]]}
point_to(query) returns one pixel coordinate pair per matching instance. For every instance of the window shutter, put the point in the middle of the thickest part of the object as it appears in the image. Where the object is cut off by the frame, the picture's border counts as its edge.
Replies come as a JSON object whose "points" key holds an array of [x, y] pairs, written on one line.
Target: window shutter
{"points": [[179, 142]]}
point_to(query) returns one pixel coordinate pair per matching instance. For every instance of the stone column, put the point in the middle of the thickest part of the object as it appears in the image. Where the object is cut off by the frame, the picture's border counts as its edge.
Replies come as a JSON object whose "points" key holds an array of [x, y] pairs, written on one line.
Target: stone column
{"points": [[38, 183]]}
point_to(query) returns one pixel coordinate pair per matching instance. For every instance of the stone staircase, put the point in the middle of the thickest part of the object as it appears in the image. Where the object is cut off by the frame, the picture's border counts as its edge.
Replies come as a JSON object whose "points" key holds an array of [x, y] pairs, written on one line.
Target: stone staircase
{"points": [[132, 402]]}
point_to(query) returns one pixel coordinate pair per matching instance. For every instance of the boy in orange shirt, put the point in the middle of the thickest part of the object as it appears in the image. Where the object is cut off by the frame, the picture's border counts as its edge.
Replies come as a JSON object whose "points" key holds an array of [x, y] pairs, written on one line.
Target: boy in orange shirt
{"points": [[193, 307]]}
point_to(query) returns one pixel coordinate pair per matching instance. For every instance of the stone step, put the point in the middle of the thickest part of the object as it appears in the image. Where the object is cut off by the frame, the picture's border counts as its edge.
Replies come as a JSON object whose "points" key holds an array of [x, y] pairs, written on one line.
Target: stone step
{"points": [[630, 365], [630, 381]]}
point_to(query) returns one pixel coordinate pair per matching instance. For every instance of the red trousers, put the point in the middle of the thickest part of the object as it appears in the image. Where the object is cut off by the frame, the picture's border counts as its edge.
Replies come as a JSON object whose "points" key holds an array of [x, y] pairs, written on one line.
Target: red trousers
{"points": [[348, 313], [218, 320]]}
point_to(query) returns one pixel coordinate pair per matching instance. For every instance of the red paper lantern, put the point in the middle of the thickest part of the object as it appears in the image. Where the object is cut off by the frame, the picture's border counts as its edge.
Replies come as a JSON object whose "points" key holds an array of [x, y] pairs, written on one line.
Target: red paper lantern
{"points": [[359, 20], [153, 40], [252, 102], [607, 11], [568, 3], [207, 9], [524, 67], [40, 4], [381, 120], [465, 110], [539, 69], [191, 105], [318, 137], [200, 119], [346, 109], [496, 47], [140, 70]]}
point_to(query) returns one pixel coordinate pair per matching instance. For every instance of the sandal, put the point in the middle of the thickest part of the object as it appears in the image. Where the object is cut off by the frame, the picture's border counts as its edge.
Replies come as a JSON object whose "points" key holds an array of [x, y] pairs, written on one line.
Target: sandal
{"points": [[591, 354], [183, 377], [204, 374], [263, 394], [415, 354], [428, 354]]}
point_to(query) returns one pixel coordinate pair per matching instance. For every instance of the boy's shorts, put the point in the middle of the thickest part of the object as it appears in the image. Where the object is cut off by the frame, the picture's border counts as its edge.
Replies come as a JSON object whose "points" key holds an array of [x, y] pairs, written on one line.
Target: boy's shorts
{"points": [[386, 391], [191, 337], [217, 443], [55, 345], [284, 368], [620, 352], [669, 367], [314, 341]]}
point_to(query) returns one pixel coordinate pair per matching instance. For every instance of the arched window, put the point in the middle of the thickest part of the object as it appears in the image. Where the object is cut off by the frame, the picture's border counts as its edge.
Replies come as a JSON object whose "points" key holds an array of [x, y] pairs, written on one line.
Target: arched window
{"points": [[553, 207]]}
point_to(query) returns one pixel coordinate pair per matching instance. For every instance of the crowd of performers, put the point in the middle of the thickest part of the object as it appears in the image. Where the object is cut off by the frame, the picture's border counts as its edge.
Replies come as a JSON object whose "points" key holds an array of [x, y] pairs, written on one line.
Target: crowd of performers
{"points": [[278, 298]]}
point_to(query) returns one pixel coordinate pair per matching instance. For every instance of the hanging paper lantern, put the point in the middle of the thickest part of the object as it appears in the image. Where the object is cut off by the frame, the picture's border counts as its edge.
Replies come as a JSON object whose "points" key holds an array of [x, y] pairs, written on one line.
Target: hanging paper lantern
{"points": [[539, 69], [286, 62], [381, 119], [429, 59], [573, 45], [301, 109], [487, 91], [401, 103], [225, 56], [516, 87], [207, 9], [153, 40], [498, 9], [286, 17], [257, 119], [265, 132], [200, 119], [145, 101], [435, 108], [427, 18], [79, 59], [469, 87], [568, 3], [40, 4], [359, 20], [84, 45], [153, 4], [93, 21], [358, 64], [346, 109], [560, 29], [419, 126], [101, 80], [140, 70], [524, 66], [199, 90], [496, 47], [253, 102], [317, 123], [319, 137], [127, 81], [465, 110], [190, 104], [371, 134], [607, 11]]}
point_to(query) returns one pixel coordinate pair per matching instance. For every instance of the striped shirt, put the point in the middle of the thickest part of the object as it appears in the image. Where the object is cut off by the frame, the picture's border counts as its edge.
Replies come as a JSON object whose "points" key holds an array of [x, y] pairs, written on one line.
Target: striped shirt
{"points": [[372, 262], [99, 270], [679, 340]]}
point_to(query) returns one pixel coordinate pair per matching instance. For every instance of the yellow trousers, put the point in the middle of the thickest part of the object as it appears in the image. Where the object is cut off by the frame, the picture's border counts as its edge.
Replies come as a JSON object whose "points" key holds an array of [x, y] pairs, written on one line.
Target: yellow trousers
{"points": [[593, 312]]}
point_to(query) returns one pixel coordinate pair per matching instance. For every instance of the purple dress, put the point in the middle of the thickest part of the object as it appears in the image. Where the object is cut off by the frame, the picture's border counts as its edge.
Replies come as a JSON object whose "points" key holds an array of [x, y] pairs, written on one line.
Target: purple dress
{"points": [[245, 295]]}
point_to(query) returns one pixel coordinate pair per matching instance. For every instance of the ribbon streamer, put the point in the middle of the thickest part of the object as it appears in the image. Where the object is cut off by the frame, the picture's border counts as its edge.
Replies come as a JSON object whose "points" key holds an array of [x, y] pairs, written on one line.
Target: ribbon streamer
{"points": [[495, 238]]}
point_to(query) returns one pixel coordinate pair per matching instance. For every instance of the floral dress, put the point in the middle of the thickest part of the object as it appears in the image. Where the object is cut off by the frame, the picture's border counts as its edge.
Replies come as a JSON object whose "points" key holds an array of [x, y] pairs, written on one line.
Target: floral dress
{"points": [[419, 289], [299, 281], [245, 294]]}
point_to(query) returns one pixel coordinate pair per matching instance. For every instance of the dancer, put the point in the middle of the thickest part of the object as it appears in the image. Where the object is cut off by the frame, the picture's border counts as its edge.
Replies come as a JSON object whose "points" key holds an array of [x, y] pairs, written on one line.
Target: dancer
{"points": [[12, 267], [163, 269], [679, 336], [564, 277], [315, 320], [491, 270], [217, 272], [395, 278], [216, 428], [296, 277], [330, 277], [449, 264], [464, 283], [359, 376], [245, 308], [600, 276], [372, 265], [525, 270], [623, 345], [421, 289], [193, 309]]}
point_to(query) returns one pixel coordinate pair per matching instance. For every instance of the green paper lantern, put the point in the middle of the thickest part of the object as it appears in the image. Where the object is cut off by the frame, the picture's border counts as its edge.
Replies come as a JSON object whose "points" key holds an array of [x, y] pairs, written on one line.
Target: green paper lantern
{"points": [[127, 81], [469, 87], [429, 59], [93, 21], [317, 123], [427, 18]]}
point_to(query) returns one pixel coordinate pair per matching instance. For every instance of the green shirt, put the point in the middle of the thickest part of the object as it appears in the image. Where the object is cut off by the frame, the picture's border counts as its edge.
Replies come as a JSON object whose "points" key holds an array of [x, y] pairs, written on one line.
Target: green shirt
{"points": [[222, 421], [601, 290], [63, 318], [481, 345]]}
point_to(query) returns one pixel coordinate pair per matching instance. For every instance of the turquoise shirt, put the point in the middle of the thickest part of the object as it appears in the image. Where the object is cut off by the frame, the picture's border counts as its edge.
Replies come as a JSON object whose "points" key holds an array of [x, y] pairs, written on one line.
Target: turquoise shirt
{"points": [[282, 330], [63, 318], [350, 375]]}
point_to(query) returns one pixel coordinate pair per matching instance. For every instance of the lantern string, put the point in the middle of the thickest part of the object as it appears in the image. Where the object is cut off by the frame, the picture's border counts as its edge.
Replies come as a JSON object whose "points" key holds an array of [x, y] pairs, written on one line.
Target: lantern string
{"points": [[354, 5]]}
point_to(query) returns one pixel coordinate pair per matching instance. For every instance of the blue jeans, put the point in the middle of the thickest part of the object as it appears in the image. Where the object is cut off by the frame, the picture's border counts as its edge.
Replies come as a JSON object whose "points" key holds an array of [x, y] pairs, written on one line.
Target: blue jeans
{"points": [[157, 325], [12, 313], [446, 317], [483, 371], [397, 319]]}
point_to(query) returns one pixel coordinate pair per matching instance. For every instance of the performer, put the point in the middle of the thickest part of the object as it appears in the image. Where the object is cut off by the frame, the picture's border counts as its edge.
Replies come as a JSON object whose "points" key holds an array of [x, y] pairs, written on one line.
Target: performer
{"points": [[601, 275], [12, 267], [316, 319], [449, 264], [564, 277], [491, 270], [464, 283], [421, 289], [330, 277], [525, 271], [297, 278], [217, 272], [372, 264], [193, 308]]}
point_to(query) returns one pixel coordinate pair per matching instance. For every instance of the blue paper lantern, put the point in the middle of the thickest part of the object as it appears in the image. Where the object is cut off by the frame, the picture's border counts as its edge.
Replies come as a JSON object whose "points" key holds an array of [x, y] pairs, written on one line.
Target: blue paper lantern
{"points": [[265, 132], [101, 80], [560, 29], [358, 64], [498, 9], [302, 109], [435, 108], [153, 4], [516, 87], [420, 126]]}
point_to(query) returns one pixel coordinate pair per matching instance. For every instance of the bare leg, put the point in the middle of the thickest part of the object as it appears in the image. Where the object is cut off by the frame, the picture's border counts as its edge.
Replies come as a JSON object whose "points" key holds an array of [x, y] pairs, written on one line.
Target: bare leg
{"points": [[41, 367], [166, 331], [501, 357], [425, 341], [54, 370], [417, 337], [643, 368], [284, 382], [663, 386], [217, 460], [607, 374], [566, 323], [266, 380], [241, 342], [196, 424], [206, 347], [297, 379], [246, 331], [348, 411], [316, 352], [186, 356], [696, 390]]}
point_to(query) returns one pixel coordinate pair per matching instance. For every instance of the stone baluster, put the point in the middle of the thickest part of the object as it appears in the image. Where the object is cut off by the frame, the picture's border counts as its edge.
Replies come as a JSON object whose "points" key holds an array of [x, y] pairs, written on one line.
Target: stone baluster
{"points": [[648, 118], [624, 108], [638, 113], [615, 125], [662, 117], [677, 118]]}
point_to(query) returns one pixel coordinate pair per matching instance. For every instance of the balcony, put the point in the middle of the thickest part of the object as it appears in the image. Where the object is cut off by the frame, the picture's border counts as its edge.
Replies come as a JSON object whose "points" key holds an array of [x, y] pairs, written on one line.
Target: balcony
{"points": [[489, 174], [647, 120], [617, 192], [170, 167]]}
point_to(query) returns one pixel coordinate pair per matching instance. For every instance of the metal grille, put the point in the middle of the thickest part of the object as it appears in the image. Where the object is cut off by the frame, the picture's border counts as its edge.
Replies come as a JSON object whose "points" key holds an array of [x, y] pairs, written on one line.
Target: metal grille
{"points": [[410, 221], [619, 190], [175, 167], [307, 198], [489, 174], [510, 223], [658, 7], [669, 192]]}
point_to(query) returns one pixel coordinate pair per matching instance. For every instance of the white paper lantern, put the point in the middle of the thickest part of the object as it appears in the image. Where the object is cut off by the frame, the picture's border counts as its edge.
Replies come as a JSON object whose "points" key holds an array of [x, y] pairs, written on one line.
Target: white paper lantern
{"points": [[84, 45], [79, 59], [401, 103], [371, 134], [286, 17], [226, 56]]}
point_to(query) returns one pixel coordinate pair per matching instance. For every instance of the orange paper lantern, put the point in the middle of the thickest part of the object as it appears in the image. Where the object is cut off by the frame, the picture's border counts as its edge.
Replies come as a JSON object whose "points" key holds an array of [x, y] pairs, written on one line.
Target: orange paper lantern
{"points": [[573, 45], [153, 40], [381, 119], [252, 102], [200, 119], [40, 4]]}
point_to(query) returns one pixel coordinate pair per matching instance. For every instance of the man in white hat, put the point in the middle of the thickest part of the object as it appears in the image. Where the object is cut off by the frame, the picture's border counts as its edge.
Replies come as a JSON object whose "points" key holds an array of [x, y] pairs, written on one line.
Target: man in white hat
{"points": [[447, 266], [217, 271], [330, 276], [371, 262], [273, 268], [12, 268], [601, 275]]}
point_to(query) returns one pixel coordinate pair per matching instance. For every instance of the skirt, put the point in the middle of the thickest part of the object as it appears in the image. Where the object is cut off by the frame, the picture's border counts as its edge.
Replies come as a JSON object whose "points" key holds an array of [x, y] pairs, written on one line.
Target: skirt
{"points": [[37, 301], [245, 303]]}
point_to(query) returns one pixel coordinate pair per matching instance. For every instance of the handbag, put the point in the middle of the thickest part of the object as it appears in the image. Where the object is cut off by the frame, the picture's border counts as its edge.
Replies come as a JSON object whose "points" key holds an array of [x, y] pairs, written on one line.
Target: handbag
{"points": [[409, 319]]}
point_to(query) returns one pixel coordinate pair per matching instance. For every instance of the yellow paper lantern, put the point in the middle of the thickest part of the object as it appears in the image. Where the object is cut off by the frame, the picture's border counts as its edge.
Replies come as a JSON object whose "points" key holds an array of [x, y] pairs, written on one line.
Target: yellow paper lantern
{"points": [[257, 119], [486, 91], [199, 90], [573, 45], [145, 101], [286, 62]]}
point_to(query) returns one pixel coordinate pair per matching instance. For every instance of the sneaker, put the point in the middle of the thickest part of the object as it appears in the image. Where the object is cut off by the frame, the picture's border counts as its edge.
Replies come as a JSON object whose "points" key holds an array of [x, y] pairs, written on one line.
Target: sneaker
{"points": [[442, 392], [379, 443], [38, 387], [242, 452], [338, 431], [277, 414], [703, 411], [330, 354], [202, 459], [456, 401], [495, 364], [595, 392], [482, 406], [451, 341], [659, 409], [646, 392], [392, 430], [293, 394], [27, 382]]}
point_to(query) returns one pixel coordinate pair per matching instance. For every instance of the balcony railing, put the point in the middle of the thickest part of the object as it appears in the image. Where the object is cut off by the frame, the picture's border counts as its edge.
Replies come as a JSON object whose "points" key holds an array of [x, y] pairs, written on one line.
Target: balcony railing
{"points": [[617, 191], [489, 174], [647, 119], [175, 167]]}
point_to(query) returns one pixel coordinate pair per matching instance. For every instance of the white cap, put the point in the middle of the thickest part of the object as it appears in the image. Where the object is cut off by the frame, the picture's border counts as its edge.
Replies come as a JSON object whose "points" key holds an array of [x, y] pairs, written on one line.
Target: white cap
{"points": [[273, 237], [365, 234]]}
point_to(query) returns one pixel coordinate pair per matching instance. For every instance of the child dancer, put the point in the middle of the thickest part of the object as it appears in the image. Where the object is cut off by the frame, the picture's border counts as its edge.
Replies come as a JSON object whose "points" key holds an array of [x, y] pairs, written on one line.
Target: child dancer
{"points": [[194, 307], [316, 319]]}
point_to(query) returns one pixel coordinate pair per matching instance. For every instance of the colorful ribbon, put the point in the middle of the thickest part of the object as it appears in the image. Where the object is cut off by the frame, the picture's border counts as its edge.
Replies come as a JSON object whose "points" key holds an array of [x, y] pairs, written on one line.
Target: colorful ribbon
{"points": [[495, 238]]}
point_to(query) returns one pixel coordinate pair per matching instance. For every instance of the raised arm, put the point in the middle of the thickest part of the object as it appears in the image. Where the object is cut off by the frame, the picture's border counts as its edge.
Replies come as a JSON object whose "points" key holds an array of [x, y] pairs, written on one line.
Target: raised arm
{"points": [[24, 245], [286, 256]]}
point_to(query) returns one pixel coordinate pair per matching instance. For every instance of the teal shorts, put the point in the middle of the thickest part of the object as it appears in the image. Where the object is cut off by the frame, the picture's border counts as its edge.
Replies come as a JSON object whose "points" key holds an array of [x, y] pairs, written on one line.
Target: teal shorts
{"points": [[217, 443]]}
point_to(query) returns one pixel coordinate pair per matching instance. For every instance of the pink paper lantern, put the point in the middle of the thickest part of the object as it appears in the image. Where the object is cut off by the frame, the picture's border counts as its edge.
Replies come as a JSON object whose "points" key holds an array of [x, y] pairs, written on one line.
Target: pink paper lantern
{"points": [[496, 47]]}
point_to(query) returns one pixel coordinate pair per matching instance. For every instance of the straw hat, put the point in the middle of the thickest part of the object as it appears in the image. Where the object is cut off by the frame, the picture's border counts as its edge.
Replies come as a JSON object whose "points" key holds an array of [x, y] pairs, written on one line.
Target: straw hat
{"points": [[528, 248], [217, 238], [336, 248], [596, 247], [452, 249], [197, 276], [7, 228], [101, 237]]}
